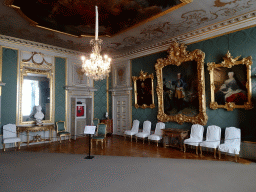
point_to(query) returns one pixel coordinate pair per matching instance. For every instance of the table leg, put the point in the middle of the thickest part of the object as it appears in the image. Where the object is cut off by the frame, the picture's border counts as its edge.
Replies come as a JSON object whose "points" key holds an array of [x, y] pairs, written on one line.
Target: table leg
{"points": [[50, 134], [164, 143], [27, 138]]}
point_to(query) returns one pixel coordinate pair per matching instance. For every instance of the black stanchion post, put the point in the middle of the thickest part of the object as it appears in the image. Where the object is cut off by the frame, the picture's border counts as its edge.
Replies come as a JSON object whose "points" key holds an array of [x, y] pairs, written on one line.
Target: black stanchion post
{"points": [[89, 156]]}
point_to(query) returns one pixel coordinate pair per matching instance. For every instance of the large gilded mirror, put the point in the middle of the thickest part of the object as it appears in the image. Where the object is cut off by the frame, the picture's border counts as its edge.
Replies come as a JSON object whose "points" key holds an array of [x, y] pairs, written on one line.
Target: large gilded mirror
{"points": [[231, 83], [35, 87], [181, 86]]}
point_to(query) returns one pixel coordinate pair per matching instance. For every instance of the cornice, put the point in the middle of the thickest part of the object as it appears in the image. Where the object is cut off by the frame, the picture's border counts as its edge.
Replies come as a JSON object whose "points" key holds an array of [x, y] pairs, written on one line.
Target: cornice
{"points": [[78, 88], [121, 89], [16, 42], [208, 32]]}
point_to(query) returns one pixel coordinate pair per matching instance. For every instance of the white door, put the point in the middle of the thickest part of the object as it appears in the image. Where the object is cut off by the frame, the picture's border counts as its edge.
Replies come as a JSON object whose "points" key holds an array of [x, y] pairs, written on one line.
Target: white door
{"points": [[121, 114]]}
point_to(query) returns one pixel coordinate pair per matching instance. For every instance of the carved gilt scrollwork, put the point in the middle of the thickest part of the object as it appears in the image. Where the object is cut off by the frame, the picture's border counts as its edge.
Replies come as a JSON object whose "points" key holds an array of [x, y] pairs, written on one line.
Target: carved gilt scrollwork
{"points": [[230, 62], [177, 56]]}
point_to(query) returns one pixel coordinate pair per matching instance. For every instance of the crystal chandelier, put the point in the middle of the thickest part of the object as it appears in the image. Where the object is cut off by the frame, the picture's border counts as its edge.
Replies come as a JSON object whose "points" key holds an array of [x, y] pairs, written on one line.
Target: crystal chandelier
{"points": [[97, 67]]}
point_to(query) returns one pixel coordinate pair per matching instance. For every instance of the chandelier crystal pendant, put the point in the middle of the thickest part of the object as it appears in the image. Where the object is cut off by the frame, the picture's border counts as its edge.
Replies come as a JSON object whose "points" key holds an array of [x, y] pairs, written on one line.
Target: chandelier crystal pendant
{"points": [[97, 67]]}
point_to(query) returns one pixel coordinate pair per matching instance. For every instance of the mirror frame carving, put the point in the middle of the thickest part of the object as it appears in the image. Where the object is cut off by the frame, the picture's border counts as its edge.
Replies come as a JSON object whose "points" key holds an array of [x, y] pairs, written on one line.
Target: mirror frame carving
{"points": [[177, 55], [229, 62], [143, 76], [43, 67]]}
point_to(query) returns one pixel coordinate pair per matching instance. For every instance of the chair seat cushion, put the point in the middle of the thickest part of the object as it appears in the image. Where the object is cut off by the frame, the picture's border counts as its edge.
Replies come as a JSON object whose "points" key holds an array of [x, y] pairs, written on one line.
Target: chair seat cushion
{"points": [[142, 135], [210, 144], [98, 137], [192, 141], [154, 137], [130, 133], [64, 133], [12, 140], [230, 148]]}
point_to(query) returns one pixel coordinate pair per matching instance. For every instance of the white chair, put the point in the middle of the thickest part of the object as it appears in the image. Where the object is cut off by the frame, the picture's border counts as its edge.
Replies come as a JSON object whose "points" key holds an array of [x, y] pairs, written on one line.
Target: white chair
{"points": [[213, 135], [10, 136], [196, 137], [157, 136], [145, 132], [232, 142], [134, 130]]}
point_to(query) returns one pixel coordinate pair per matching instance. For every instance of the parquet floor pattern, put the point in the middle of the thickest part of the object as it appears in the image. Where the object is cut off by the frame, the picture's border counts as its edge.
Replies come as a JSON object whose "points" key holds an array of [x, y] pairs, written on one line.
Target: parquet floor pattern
{"points": [[118, 146]]}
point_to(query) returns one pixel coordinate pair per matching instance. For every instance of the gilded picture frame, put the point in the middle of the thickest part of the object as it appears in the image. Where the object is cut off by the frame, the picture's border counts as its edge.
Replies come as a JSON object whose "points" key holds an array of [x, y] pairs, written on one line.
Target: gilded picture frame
{"points": [[230, 83], [144, 90], [178, 57]]}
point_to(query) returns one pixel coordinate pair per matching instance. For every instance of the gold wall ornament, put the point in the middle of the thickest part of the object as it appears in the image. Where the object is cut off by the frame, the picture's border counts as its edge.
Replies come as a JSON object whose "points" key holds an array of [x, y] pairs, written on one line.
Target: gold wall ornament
{"points": [[144, 90], [222, 75], [177, 57], [37, 59]]}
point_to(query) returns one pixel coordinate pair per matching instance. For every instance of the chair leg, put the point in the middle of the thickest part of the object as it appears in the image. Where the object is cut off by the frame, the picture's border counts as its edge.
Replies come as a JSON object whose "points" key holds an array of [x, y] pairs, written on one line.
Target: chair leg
{"points": [[149, 142], [102, 144], [69, 138], [157, 143], [143, 141], [15, 144], [236, 158], [215, 153], [201, 151], [184, 145], [60, 139], [136, 139], [196, 150], [4, 146], [131, 137], [219, 154], [19, 145]]}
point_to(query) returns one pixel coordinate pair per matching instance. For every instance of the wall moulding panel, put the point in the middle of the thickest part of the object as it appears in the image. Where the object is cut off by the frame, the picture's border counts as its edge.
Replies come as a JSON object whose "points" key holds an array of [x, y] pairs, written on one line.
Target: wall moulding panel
{"points": [[121, 74]]}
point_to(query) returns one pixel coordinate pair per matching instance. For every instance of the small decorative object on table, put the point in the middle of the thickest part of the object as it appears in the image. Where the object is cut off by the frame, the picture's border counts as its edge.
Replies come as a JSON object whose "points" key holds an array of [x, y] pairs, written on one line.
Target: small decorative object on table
{"points": [[106, 115], [39, 115]]}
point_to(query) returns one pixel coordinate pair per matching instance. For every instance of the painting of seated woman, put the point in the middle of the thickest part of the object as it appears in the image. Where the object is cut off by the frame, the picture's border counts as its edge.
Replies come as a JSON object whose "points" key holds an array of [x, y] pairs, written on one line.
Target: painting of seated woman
{"points": [[230, 87]]}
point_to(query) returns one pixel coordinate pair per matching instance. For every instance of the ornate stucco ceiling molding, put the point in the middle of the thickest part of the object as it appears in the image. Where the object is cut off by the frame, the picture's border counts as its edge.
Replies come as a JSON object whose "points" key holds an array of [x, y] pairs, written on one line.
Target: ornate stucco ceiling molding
{"points": [[211, 31], [16, 43]]}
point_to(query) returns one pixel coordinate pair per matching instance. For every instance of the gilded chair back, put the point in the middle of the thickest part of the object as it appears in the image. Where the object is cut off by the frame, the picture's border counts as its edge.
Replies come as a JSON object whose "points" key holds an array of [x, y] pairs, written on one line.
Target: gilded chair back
{"points": [[197, 132], [213, 133], [9, 131], [61, 126], [233, 135], [95, 121], [135, 126], [101, 131], [146, 127], [159, 127]]}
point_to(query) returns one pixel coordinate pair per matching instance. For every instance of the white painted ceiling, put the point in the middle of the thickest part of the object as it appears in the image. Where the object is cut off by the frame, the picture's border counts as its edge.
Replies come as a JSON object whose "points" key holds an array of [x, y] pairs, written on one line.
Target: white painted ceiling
{"points": [[191, 20]]}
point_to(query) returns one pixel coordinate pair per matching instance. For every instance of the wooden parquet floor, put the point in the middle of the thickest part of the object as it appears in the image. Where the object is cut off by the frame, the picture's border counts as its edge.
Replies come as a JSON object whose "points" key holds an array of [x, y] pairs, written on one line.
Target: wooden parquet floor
{"points": [[118, 146]]}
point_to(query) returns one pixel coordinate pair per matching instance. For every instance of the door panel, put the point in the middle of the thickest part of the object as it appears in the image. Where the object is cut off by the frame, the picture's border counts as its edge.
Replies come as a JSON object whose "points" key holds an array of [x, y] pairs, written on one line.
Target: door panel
{"points": [[121, 112]]}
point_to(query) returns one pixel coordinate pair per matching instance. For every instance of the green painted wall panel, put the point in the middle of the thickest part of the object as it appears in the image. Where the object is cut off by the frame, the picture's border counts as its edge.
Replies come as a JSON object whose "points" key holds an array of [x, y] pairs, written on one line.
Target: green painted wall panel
{"points": [[60, 74], [238, 43], [100, 99], [9, 76]]}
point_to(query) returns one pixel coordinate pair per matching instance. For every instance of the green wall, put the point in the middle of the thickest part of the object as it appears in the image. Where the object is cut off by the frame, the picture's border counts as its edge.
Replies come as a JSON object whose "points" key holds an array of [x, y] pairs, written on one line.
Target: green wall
{"points": [[238, 43], [9, 76], [9, 91], [60, 66], [100, 99]]}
